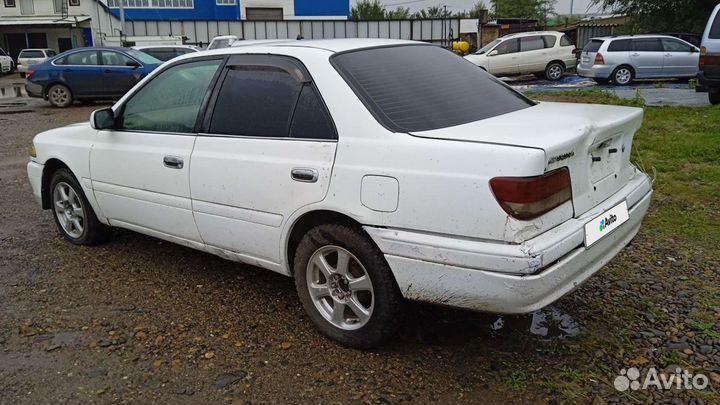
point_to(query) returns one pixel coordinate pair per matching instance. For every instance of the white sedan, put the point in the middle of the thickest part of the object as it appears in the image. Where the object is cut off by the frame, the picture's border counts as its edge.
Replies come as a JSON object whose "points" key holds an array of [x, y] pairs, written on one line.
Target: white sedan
{"points": [[371, 171]]}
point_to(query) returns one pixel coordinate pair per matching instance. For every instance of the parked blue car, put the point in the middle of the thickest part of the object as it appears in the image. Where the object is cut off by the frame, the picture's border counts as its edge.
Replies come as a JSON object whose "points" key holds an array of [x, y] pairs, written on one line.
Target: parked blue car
{"points": [[88, 74]]}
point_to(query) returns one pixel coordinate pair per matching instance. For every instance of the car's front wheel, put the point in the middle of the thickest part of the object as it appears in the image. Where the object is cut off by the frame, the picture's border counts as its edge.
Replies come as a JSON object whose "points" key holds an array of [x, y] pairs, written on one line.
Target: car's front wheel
{"points": [[60, 96], [73, 214], [346, 286]]}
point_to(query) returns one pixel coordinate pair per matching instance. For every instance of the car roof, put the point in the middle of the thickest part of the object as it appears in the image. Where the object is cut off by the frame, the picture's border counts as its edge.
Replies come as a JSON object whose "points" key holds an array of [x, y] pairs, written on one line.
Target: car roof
{"points": [[140, 47], [37, 49], [336, 45], [628, 36], [525, 34]]}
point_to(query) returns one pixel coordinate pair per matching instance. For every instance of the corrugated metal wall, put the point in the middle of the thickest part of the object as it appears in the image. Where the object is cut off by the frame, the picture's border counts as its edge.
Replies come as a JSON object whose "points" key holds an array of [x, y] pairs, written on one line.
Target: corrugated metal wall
{"points": [[436, 31], [584, 34]]}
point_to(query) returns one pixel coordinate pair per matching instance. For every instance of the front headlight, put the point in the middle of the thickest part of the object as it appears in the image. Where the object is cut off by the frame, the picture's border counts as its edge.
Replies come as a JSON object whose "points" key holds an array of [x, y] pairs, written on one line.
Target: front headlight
{"points": [[33, 152]]}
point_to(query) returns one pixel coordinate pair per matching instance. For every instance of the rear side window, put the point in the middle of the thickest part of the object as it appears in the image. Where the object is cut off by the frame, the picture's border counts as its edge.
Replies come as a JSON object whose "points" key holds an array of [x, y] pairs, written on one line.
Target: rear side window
{"points": [[531, 44], [424, 87], [647, 45], [81, 58], [715, 28], [267, 101], [31, 54], [619, 45], [566, 41], [549, 40], [593, 46]]}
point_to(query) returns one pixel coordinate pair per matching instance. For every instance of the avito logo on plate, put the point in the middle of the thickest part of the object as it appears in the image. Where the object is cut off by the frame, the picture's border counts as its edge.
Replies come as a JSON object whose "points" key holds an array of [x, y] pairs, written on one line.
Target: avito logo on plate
{"points": [[607, 222]]}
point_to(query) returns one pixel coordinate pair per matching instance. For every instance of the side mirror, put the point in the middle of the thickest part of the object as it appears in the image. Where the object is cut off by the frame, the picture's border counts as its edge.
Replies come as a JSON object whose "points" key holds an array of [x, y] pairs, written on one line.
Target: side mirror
{"points": [[102, 119], [493, 52], [132, 63]]}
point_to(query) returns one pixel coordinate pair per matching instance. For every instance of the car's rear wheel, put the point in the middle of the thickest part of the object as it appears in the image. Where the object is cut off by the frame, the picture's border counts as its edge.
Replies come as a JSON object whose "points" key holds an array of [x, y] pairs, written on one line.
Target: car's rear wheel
{"points": [[623, 75], [60, 96], [554, 71], [73, 214], [346, 286], [714, 97]]}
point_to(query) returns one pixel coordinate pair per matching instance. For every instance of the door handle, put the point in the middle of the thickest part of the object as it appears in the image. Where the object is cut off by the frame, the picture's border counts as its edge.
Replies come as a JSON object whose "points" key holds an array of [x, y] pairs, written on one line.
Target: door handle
{"points": [[173, 162], [305, 175]]}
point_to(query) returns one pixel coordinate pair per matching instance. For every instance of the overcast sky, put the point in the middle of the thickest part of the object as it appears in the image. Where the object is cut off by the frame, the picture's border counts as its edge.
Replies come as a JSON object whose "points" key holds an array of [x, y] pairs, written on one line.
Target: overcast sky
{"points": [[561, 7]]}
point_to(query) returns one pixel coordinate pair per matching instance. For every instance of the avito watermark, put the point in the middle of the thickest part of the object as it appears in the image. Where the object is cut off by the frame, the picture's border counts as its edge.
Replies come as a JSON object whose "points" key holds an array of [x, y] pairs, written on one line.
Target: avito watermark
{"points": [[680, 379]]}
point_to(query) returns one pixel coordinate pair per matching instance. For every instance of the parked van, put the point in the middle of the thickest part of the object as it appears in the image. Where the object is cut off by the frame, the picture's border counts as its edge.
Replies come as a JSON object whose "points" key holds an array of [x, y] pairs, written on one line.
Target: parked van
{"points": [[709, 74], [544, 53]]}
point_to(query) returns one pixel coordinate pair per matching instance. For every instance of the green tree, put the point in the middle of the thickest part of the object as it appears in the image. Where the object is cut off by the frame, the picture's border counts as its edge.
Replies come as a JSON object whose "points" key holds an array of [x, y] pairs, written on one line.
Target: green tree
{"points": [[400, 13], [662, 16], [433, 12], [530, 9], [368, 10], [475, 12]]}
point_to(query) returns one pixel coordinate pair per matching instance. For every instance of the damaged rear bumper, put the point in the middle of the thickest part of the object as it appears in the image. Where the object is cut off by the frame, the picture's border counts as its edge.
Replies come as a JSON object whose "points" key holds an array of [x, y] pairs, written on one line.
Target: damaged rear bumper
{"points": [[508, 278]]}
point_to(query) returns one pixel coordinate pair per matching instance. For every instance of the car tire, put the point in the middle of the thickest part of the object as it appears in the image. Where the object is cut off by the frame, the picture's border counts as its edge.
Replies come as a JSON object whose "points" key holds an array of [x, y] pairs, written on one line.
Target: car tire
{"points": [[364, 289], [623, 75], [60, 96], [554, 71], [714, 97], [73, 214]]}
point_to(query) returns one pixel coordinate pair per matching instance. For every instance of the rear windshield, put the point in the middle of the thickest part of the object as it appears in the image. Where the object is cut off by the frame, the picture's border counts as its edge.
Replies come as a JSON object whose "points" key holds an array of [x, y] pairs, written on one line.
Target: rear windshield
{"points": [[424, 87], [715, 28], [593, 46], [31, 54]]}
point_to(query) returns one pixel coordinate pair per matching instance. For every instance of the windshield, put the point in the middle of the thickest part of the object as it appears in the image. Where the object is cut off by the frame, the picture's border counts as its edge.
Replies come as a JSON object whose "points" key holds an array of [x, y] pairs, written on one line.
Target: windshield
{"points": [[143, 57], [423, 87], [488, 47]]}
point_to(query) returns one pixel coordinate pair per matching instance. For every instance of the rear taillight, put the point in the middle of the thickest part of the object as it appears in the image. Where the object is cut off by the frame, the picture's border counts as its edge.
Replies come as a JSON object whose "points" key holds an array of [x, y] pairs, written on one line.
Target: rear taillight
{"points": [[29, 73], [703, 54], [526, 198], [599, 59]]}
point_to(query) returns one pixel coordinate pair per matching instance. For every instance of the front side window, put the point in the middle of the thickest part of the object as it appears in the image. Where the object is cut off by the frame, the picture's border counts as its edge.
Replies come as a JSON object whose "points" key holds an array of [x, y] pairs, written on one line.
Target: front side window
{"points": [[171, 101], [110, 58], [270, 97], [83, 58], [423, 87], [673, 45], [509, 46], [647, 45], [143, 57], [531, 44]]}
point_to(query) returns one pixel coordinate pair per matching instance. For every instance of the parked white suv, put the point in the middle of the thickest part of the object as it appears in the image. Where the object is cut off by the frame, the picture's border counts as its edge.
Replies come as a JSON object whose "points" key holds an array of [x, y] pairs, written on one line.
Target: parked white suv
{"points": [[368, 170], [545, 53], [29, 57], [6, 63]]}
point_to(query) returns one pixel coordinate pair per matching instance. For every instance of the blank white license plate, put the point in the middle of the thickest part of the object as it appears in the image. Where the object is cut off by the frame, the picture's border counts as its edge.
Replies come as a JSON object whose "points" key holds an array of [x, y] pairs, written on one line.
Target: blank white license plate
{"points": [[606, 223]]}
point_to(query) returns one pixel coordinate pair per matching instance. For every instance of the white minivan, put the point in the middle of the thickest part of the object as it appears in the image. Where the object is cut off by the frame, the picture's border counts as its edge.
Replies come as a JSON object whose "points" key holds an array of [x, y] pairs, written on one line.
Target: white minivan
{"points": [[709, 74], [544, 53], [29, 57]]}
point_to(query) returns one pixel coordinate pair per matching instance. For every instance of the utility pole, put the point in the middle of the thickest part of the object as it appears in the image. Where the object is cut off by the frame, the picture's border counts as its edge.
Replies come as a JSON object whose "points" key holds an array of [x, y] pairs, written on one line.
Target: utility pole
{"points": [[571, 8]]}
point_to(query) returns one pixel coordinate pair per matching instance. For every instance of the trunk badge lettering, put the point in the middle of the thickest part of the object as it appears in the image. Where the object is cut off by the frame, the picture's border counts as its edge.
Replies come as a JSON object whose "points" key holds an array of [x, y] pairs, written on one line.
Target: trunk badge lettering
{"points": [[562, 157]]}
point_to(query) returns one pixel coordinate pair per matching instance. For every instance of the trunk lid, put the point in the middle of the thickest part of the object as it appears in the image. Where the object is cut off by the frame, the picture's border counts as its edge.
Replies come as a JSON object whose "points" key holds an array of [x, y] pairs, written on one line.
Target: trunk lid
{"points": [[592, 141], [587, 56]]}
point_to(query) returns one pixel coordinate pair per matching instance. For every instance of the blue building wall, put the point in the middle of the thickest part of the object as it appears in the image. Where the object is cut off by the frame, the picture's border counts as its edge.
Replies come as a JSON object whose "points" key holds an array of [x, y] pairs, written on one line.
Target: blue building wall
{"points": [[209, 10], [320, 8]]}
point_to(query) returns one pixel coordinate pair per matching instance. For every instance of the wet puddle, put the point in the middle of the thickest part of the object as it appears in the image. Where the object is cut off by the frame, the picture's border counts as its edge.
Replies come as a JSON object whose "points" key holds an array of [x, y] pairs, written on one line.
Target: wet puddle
{"points": [[547, 323]]}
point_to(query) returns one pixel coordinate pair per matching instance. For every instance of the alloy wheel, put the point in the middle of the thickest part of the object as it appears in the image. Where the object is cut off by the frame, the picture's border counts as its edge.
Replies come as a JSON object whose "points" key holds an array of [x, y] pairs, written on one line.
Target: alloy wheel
{"points": [[59, 95], [69, 210], [623, 76], [554, 72], [340, 287]]}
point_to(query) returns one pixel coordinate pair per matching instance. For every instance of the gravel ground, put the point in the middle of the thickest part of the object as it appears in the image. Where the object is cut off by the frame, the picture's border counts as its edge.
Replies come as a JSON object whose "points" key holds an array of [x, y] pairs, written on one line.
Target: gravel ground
{"points": [[139, 320]]}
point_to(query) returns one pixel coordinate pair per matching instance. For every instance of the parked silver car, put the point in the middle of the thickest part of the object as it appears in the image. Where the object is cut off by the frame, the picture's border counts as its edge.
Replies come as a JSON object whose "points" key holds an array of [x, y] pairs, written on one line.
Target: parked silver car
{"points": [[621, 59]]}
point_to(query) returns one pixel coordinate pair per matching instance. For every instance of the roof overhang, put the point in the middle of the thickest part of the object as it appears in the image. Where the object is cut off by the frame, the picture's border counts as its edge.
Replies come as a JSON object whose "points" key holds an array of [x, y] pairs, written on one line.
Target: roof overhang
{"points": [[44, 21]]}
